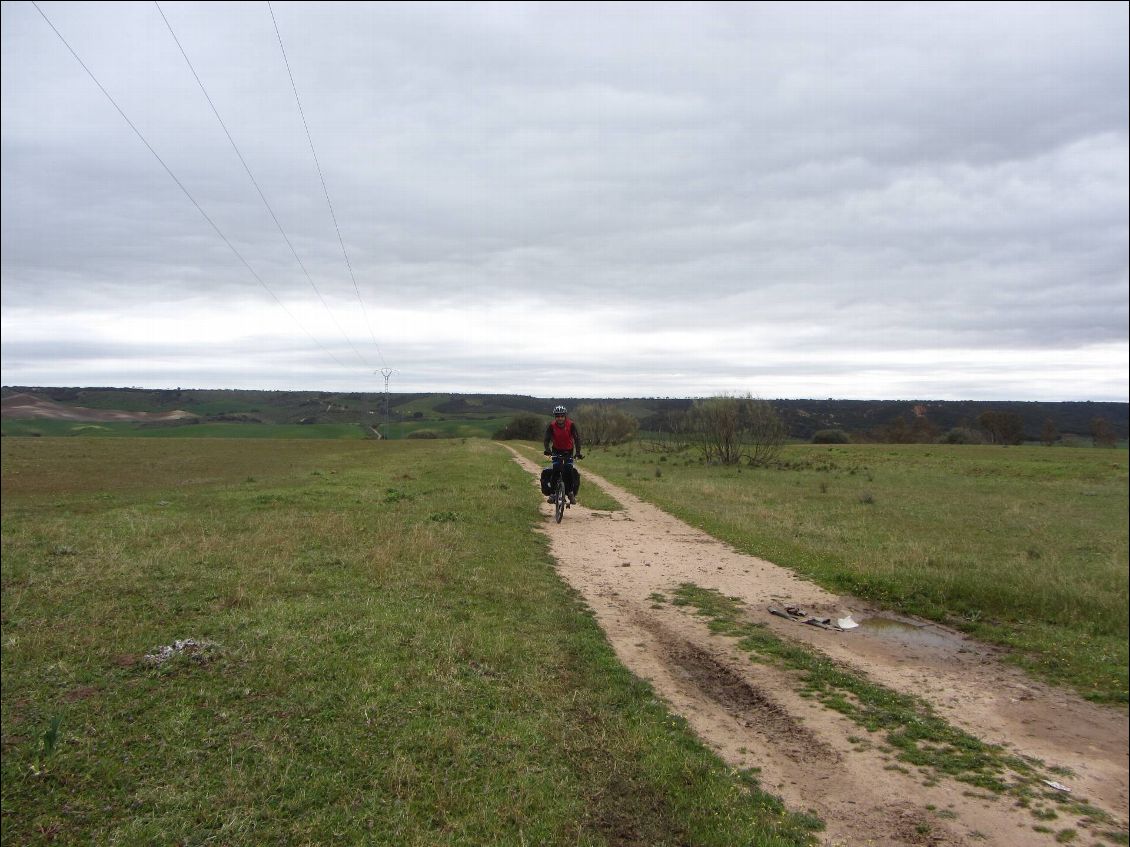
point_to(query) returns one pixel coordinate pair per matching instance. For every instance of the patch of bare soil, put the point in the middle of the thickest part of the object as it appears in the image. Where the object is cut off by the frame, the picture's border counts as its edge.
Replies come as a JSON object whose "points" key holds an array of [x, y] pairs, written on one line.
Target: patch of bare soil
{"points": [[814, 758], [25, 406]]}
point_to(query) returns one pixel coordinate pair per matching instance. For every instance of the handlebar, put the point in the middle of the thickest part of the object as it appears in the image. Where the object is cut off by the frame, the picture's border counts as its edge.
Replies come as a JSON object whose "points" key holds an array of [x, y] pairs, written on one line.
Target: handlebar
{"points": [[558, 454]]}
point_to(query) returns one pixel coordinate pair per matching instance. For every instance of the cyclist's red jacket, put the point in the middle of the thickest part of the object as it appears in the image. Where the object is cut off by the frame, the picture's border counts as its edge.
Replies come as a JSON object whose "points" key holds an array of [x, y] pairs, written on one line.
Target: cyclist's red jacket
{"points": [[565, 439]]}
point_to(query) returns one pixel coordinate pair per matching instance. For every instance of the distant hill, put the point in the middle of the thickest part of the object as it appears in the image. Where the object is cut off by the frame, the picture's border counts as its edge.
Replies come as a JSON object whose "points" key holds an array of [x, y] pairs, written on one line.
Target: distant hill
{"points": [[805, 417], [408, 411]]}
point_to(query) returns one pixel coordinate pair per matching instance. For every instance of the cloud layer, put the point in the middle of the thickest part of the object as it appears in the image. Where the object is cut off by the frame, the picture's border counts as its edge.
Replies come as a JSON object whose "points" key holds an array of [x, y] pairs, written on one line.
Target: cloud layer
{"points": [[852, 200]]}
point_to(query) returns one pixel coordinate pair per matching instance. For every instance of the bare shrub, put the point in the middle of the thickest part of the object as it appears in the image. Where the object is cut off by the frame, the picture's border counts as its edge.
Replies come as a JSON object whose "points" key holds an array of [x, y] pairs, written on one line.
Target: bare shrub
{"points": [[524, 427], [917, 430], [963, 435], [729, 430], [1049, 435], [672, 430], [1102, 434], [1003, 427], [830, 436], [602, 425]]}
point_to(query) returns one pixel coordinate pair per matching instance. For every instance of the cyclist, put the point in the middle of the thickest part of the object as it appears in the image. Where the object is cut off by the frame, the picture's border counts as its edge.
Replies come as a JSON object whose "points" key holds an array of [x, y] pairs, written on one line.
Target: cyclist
{"points": [[565, 438]]}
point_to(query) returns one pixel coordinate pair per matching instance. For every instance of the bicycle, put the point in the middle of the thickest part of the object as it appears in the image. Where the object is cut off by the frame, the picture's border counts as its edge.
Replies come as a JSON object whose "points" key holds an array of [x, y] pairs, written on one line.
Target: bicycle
{"points": [[561, 462]]}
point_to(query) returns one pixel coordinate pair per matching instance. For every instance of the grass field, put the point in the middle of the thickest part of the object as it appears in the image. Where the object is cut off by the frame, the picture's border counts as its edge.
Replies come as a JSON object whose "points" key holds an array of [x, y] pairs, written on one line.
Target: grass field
{"points": [[1022, 546], [382, 654], [453, 428]]}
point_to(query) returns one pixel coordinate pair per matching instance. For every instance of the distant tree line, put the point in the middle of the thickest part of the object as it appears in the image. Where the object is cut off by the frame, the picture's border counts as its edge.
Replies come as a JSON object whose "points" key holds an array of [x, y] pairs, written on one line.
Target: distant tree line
{"points": [[661, 421], [957, 420], [991, 427]]}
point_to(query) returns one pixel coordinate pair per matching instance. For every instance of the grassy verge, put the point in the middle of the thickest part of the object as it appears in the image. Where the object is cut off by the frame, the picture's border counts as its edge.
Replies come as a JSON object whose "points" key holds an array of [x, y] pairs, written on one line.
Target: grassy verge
{"points": [[909, 728], [381, 654], [1025, 547]]}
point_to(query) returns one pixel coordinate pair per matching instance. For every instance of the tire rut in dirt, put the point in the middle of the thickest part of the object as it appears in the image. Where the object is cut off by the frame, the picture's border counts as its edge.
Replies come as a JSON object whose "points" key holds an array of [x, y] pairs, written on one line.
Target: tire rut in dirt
{"points": [[726, 687]]}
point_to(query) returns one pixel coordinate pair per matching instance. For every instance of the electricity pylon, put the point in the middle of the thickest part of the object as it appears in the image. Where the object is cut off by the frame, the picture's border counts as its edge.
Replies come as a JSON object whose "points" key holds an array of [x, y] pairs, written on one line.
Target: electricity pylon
{"points": [[386, 373]]}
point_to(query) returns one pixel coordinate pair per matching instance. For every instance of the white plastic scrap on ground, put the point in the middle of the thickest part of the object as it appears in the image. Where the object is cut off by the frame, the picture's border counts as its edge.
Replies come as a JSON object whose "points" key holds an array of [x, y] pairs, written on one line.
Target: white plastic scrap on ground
{"points": [[795, 613], [182, 647]]}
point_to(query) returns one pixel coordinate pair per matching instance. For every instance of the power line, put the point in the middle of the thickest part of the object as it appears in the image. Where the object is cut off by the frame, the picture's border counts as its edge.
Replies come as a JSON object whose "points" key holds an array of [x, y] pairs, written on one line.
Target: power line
{"points": [[251, 176], [180, 185], [329, 202]]}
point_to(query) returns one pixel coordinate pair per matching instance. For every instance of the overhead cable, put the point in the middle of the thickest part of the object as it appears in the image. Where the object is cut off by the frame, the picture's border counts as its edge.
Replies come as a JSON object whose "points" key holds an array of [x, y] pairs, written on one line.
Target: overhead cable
{"points": [[180, 185], [329, 202], [251, 176]]}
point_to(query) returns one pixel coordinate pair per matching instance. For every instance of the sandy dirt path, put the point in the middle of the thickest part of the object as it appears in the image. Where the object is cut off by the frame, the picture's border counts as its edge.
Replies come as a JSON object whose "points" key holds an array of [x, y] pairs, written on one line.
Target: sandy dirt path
{"points": [[810, 756]]}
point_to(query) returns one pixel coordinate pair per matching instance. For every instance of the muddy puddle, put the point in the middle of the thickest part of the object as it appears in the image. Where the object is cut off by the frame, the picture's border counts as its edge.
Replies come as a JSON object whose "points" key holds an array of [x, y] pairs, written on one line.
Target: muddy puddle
{"points": [[910, 634]]}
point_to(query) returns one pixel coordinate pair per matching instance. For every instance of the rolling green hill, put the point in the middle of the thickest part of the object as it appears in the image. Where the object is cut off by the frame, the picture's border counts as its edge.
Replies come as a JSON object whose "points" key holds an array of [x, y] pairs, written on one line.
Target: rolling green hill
{"points": [[480, 415]]}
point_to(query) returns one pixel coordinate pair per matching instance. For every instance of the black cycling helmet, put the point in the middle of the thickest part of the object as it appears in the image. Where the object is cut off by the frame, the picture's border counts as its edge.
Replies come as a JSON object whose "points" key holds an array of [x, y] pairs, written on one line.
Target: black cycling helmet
{"points": [[559, 410]]}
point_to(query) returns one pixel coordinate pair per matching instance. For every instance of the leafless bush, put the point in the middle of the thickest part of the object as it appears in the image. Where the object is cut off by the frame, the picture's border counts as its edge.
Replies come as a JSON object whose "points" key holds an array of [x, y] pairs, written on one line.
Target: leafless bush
{"points": [[602, 425], [1002, 427], [524, 427], [1102, 434], [729, 430], [672, 431]]}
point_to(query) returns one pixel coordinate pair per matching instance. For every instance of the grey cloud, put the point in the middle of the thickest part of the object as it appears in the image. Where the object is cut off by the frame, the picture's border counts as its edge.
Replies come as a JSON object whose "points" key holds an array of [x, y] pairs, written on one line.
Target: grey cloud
{"points": [[886, 175]]}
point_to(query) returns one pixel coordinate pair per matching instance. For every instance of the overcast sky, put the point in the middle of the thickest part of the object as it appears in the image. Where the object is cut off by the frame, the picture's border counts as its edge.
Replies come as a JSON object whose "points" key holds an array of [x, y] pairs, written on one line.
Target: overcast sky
{"points": [[915, 201]]}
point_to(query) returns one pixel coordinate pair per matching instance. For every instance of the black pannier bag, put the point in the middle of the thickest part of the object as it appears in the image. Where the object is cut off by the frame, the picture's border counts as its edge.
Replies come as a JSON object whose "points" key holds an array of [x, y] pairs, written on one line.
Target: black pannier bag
{"points": [[547, 481]]}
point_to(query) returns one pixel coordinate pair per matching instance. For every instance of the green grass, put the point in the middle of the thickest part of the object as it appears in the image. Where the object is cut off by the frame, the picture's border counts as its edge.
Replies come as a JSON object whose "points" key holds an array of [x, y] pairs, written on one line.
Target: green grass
{"points": [[391, 659], [1022, 546], [452, 428], [424, 405]]}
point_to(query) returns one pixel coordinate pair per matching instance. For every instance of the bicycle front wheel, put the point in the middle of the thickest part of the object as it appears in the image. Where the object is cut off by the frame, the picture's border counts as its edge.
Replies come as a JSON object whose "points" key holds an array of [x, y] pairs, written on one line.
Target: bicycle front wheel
{"points": [[559, 507]]}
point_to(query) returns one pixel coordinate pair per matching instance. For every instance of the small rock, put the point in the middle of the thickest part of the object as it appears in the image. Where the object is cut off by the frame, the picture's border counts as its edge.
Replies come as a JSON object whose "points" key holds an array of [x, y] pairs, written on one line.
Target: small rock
{"points": [[198, 650]]}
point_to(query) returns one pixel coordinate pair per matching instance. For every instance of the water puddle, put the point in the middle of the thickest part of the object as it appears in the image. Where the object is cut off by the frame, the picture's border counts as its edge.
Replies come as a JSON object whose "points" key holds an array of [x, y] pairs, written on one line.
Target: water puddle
{"points": [[913, 635]]}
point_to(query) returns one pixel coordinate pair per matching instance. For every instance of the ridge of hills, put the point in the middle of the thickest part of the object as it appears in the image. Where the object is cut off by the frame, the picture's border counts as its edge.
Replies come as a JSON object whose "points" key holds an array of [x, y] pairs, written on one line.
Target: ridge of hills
{"points": [[803, 417]]}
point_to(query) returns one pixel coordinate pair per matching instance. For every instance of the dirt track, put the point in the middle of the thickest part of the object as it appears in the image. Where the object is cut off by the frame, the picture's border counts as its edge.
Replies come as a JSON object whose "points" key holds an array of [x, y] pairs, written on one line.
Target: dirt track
{"points": [[752, 716]]}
